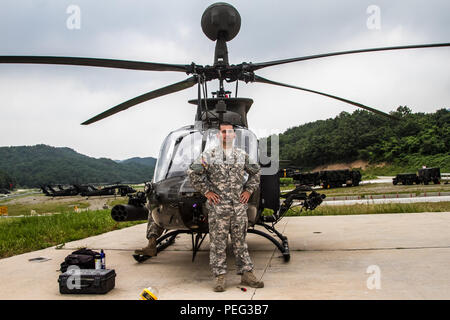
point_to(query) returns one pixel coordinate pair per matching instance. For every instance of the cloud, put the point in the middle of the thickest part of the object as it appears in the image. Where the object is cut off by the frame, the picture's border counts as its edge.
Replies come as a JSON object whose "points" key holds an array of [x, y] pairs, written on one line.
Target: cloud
{"points": [[46, 104]]}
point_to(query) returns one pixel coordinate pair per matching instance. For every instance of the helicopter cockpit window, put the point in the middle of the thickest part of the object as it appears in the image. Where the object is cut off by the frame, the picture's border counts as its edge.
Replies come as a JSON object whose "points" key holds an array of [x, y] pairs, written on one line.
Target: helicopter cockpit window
{"points": [[177, 142], [185, 145], [186, 150], [245, 140]]}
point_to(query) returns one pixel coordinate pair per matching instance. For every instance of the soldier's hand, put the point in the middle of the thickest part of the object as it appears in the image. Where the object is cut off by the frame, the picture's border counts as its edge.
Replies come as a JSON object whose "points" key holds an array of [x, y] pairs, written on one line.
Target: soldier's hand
{"points": [[212, 197], [244, 197]]}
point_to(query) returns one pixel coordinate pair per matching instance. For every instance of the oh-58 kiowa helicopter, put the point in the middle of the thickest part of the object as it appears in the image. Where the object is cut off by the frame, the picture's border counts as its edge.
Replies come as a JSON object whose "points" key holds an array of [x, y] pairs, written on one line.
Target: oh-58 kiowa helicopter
{"points": [[169, 198]]}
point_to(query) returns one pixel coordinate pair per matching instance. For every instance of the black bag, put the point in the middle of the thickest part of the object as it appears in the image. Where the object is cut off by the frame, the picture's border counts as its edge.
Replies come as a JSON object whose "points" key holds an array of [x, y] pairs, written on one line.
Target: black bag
{"points": [[83, 258]]}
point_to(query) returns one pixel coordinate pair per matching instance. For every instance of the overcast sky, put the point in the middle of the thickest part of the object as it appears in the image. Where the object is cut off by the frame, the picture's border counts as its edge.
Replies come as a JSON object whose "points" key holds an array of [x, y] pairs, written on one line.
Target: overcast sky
{"points": [[46, 104]]}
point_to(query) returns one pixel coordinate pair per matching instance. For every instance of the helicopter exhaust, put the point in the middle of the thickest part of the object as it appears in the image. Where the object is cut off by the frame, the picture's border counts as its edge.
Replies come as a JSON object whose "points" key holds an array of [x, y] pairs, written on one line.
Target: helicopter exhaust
{"points": [[128, 212]]}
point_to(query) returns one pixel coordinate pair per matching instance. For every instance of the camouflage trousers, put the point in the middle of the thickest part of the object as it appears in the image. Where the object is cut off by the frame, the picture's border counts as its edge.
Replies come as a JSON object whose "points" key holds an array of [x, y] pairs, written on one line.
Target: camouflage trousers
{"points": [[153, 230], [228, 218]]}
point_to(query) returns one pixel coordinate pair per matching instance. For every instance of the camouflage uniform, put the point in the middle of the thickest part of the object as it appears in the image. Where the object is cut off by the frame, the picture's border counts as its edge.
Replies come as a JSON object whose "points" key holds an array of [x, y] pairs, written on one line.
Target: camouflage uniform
{"points": [[153, 230], [226, 177]]}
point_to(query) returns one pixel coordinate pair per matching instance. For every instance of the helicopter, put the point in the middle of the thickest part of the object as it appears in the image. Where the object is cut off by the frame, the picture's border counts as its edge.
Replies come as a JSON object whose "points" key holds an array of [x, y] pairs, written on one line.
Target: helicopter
{"points": [[170, 198]]}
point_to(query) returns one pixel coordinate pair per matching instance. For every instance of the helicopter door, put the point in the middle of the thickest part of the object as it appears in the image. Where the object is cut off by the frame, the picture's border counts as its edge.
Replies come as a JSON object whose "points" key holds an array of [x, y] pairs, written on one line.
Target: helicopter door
{"points": [[269, 183], [270, 191]]}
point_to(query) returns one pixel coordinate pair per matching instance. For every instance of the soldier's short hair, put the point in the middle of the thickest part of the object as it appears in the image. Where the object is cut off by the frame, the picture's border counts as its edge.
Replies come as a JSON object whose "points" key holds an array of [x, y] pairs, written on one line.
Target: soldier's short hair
{"points": [[225, 123]]}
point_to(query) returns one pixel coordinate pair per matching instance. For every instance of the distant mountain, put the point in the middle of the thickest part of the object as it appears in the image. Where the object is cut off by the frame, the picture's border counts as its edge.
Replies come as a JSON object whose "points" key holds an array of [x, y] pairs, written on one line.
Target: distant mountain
{"points": [[148, 161], [33, 166]]}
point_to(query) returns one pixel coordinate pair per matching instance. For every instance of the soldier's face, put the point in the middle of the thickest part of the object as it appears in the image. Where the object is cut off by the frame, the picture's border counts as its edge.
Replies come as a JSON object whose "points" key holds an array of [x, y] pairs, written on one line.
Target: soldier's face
{"points": [[227, 134]]}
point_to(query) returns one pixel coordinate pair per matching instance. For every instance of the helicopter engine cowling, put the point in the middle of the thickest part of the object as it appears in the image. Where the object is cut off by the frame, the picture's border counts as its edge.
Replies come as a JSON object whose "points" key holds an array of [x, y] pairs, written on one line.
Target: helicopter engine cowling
{"points": [[128, 212]]}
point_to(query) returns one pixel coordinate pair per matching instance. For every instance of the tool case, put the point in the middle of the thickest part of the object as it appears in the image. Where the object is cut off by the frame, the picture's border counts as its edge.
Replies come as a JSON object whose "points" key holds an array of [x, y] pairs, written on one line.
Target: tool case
{"points": [[90, 281]]}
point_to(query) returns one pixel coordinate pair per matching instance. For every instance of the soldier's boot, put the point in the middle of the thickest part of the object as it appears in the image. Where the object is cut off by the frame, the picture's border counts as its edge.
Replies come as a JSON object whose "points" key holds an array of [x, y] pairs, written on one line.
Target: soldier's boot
{"points": [[249, 279], [219, 285], [150, 249]]}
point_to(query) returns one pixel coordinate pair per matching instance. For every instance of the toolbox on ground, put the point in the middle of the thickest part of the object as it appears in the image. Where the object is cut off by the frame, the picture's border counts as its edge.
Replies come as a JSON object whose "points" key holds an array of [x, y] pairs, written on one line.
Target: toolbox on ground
{"points": [[91, 281]]}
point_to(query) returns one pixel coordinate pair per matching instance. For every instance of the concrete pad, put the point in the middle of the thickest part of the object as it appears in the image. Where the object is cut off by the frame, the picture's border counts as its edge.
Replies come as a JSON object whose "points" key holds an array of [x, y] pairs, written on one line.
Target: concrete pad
{"points": [[332, 257]]}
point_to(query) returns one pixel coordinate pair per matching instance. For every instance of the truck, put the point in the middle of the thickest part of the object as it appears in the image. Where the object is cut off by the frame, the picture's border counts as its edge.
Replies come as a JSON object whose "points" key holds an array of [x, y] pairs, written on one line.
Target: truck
{"points": [[307, 178], [427, 175], [405, 178], [325, 178], [423, 176], [337, 178]]}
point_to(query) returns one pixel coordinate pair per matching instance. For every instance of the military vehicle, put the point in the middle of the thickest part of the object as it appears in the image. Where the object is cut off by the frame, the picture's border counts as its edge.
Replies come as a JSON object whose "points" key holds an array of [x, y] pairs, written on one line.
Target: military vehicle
{"points": [[427, 175], [405, 178], [423, 176], [87, 190], [288, 172], [337, 178], [124, 190], [307, 178], [4, 191], [83, 188], [117, 189], [49, 191], [93, 191], [326, 178]]}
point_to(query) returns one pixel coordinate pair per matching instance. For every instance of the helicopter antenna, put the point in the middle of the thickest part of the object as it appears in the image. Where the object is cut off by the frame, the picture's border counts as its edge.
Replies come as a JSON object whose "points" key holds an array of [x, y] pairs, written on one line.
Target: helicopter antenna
{"points": [[199, 103], [205, 92], [202, 86]]}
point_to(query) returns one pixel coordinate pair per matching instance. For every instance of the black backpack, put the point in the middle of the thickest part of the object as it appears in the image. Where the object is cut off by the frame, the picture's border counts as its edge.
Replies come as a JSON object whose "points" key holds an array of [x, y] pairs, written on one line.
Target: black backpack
{"points": [[83, 258]]}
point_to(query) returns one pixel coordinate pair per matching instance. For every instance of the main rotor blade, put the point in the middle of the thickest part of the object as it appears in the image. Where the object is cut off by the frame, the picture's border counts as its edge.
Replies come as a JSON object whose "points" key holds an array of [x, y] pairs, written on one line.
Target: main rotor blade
{"points": [[189, 82], [263, 80], [257, 66], [95, 62]]}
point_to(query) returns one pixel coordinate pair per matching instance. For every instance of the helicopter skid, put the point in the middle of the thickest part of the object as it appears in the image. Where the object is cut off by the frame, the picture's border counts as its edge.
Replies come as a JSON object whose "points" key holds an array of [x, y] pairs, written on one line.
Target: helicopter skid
{"points": [[168, 238], [282, 245]]}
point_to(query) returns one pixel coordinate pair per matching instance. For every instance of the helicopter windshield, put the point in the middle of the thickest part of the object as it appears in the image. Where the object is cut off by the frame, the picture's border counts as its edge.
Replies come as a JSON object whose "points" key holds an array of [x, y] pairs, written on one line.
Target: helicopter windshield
{"points": [[183, 146]]}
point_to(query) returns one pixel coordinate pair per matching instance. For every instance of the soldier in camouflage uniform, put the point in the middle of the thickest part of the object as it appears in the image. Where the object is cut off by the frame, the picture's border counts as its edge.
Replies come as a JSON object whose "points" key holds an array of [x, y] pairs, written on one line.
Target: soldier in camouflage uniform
{"points": [[153, 232], [219, 174]]}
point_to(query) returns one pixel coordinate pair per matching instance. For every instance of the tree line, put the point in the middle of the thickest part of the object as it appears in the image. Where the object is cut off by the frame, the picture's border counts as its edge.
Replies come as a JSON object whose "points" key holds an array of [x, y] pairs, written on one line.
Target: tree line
{"points": [[6, 181], [363, 135]]}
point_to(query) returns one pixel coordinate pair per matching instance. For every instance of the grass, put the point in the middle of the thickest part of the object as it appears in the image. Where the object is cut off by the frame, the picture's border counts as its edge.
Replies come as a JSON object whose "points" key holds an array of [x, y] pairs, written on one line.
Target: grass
{"points": [[21, 235], [325, 210], [379, 188], [123, 200], [368, 176], [19, 209]]}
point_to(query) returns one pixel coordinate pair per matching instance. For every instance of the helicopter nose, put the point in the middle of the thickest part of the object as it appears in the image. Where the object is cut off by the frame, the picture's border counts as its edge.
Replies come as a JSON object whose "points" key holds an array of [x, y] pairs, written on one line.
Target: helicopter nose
{"points": [[221, 20]]}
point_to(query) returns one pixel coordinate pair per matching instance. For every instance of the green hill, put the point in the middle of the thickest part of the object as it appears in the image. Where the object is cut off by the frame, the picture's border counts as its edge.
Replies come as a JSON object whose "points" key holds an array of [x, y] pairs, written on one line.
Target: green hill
{"points": [[148, 161], [32, 166], [417, 139]]}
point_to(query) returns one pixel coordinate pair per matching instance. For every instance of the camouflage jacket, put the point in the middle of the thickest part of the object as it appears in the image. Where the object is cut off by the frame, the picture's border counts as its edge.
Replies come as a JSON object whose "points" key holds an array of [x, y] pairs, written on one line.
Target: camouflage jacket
{"points": [[225, 176]]}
